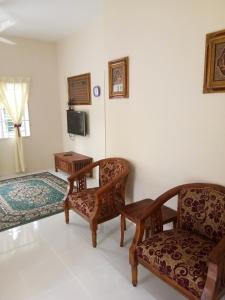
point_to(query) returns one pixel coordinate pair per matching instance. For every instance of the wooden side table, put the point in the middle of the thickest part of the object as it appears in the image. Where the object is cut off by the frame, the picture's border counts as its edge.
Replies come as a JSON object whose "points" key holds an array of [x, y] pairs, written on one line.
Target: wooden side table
{"points": [[70, 162], [134, 212]]}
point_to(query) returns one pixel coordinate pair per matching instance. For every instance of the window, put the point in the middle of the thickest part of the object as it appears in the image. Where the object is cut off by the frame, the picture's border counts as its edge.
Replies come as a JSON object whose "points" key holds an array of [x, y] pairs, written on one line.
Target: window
{"points": [[7, 127], [14, 93]]}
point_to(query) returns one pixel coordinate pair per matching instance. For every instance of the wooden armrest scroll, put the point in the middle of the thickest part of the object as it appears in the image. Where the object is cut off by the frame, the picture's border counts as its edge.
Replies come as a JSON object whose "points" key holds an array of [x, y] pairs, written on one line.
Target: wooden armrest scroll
{"points": [[140, 227], [81, 183], [215, 281]]}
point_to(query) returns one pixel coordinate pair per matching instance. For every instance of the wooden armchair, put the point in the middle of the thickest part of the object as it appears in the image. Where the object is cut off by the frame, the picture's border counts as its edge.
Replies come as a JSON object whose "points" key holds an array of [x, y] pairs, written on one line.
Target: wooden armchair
{"points": [[190, 257], [102, 203]]}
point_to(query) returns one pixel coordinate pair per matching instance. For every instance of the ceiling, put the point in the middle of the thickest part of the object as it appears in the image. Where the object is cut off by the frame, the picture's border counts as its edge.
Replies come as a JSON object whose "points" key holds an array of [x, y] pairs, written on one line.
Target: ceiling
{"points": [[49, 20]]}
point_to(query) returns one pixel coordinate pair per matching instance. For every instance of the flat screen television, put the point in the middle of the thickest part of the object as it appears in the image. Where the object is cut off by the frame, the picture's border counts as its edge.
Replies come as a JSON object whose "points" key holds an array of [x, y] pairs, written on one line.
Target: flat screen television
{"points": [[76, 122]]}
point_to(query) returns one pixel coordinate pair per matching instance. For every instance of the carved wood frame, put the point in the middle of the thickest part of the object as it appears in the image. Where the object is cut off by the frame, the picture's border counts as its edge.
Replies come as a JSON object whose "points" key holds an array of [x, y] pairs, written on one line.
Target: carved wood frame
{"points": [[122, 65], [82, 95], [213, 63]]}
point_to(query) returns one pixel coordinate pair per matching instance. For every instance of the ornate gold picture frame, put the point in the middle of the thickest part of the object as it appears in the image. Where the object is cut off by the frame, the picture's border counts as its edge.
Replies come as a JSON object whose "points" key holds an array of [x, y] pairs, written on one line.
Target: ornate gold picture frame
{"points": [[119, 78], [79, 89], [214, 76]]}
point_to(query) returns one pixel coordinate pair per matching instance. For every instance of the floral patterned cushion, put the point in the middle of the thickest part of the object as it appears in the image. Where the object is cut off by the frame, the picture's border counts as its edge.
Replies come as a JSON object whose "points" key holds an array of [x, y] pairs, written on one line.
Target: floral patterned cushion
{"points": [[83, 201], [180, 255], [202, 210], [109, 169], [112, 204]]}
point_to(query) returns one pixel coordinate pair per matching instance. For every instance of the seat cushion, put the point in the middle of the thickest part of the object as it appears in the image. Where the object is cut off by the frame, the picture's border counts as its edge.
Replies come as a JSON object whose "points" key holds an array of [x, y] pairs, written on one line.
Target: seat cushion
{"points": [[83, 201], [180, 255], [202, 210]]}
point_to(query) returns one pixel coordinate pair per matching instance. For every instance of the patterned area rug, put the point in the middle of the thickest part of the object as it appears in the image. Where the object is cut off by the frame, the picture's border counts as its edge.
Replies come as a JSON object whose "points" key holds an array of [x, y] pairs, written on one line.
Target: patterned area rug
{"points": [[29, 198]]}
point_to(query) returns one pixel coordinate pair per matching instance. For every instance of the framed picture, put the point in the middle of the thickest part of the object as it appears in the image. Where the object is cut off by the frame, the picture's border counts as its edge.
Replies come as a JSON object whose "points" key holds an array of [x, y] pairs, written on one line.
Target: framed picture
{"points": [[214, 76], [79, 89], [119, 78]]}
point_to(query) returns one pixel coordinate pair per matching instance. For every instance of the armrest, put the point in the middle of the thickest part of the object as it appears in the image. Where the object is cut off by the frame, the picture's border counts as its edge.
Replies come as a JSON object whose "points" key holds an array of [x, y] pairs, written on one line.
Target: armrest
{"points": [[76, 176], [140, 227], [216, 272], [82, 171], [107, 188], [218, 253], [140, 224], [160, 202]]}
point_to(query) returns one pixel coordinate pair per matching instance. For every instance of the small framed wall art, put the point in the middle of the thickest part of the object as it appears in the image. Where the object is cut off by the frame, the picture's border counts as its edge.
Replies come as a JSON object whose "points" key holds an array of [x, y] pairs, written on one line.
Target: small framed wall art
{"points": [[214, 76], [119, 78], [79, 89]]}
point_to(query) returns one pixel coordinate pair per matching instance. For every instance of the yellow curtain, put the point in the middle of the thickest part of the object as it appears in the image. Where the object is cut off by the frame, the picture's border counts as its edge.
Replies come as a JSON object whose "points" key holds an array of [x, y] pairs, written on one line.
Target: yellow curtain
{"points": [[14, 93]]}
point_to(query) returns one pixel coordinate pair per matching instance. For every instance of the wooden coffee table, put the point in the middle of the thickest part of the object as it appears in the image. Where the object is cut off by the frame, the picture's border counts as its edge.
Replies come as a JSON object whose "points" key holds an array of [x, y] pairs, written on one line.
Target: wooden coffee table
{"points": [[134, 212], [71, 162]]}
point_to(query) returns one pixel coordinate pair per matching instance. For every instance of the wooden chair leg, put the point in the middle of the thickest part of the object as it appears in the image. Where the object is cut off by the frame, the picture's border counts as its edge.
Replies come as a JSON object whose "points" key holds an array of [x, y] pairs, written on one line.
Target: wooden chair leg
{"points": [[134, 271], [94, 234], [66, 211], [122, 228]]}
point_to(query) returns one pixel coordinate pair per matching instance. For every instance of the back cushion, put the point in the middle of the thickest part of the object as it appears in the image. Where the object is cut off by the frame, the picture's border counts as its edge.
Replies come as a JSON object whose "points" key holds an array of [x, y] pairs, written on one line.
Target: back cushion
{"points": [[109, 170], [202, 210]]}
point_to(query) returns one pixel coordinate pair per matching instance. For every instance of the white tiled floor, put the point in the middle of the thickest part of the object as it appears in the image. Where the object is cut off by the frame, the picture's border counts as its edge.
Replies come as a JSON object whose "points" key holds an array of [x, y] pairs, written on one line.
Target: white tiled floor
{"points": [[49, 260]]}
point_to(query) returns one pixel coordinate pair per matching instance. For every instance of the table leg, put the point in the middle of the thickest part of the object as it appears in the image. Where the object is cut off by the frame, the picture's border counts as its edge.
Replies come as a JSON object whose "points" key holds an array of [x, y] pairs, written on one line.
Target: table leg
{"points": [[56, 164], [122, 228]]}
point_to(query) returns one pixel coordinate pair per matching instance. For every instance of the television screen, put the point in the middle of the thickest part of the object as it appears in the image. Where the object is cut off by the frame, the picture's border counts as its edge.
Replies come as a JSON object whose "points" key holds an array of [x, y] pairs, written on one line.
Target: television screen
{"points": [[76, 122]]}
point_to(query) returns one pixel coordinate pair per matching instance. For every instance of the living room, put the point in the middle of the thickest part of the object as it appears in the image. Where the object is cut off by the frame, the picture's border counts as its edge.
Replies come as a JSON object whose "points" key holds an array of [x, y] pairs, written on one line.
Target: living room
{"points": [[168, 129]]}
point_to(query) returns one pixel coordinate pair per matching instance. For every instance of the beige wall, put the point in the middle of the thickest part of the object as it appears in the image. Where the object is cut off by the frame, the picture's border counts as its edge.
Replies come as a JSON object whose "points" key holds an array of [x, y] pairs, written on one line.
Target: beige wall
{"points": [[38, 61], [168, 129], [79, 54]]}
